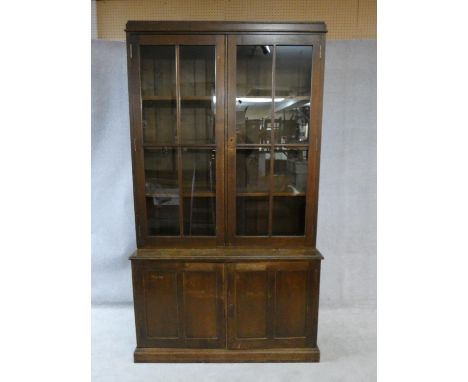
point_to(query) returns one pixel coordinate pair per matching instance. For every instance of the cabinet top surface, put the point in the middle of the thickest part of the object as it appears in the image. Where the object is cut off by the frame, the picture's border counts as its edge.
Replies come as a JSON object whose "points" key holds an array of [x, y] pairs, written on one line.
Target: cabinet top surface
{"points": [[227, 253], [225, 26]]}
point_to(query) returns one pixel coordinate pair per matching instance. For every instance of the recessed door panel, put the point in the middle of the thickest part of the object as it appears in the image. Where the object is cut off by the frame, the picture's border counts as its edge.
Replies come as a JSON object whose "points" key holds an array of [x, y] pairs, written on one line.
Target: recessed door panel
{"points": [[291, 303], [200, 302], [251, 304], [179, 304], [161, 290], [272, 304]]}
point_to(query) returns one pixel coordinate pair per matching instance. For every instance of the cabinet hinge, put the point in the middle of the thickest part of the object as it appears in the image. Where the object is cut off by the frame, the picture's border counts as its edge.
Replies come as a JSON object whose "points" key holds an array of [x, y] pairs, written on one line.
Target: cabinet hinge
{"points": [[134, 144], [131, 51], [320, 50]]}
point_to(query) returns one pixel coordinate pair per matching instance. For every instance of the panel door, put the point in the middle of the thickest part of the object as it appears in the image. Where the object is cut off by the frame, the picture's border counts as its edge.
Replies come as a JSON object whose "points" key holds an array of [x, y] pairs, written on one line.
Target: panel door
{"points": [[177, 115], [273, 304], [274, 121], [179, 304]]}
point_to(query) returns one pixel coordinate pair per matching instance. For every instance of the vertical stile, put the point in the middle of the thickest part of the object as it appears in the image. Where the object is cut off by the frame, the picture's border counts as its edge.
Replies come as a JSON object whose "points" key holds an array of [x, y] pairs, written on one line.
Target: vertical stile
{"points": [[315, 127], [272, 146], [179, 141]]}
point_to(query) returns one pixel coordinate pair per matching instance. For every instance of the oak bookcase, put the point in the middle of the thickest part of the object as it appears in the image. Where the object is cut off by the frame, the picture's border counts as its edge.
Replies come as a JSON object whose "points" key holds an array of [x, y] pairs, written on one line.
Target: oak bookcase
{"points": [[225, 135]]}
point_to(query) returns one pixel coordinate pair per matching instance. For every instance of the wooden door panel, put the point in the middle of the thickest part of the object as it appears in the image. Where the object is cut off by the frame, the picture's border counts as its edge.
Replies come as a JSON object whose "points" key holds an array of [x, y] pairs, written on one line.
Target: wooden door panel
{"points": [[291, 303], [272, 304], [161, 290], [251, 304], [179, 304], [200, 303]]}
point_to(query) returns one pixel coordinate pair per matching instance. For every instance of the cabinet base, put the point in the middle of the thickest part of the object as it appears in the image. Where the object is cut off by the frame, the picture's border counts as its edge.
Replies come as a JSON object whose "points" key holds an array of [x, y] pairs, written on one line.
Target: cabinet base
{"points": [[223, 355]]}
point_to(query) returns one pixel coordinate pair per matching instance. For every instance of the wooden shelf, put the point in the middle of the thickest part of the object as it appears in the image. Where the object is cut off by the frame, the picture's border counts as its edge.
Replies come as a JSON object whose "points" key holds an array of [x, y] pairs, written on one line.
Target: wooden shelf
{"points": [[288, 194], [303, 146], [174, 98], [259, 194], [174, 145], [196, 98], [254, 194], [201, 194], [285, 98], [158, 98]]}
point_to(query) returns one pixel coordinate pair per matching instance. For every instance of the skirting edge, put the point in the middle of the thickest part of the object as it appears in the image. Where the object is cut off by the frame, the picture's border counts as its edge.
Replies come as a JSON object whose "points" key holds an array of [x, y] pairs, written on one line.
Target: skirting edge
{"points": [[168, 355]]}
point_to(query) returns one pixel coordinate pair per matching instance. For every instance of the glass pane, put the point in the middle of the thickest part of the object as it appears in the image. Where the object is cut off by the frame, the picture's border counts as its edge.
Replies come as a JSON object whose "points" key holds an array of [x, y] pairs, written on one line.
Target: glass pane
{"points": [[197, 122], [252, 216], [292, 117], [158, 70], [253, 120], [162, 192], [293, 70], [161, 172], [254, 65], [290, 171], [252, 170], [199, 216], [199, 171], [159, 122], [254, 97], [163, 216], [197, 70], [288, 215]]}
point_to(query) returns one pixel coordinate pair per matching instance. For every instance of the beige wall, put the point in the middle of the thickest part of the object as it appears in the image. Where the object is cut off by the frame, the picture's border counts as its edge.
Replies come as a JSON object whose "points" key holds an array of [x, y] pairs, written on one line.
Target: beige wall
{"points": [[346, 19]]}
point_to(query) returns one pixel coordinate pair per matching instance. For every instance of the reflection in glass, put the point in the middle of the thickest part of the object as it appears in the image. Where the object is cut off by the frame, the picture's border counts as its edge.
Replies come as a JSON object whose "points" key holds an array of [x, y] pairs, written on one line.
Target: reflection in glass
{"points": [[199, 216], [290, 171], [159, 121], [292, 118], [197, 70], [161, 172], [252, 170], [197, 122], [163, 216], [288, 215], [293, 70], [254, 66], [253, 121], [254, 98], [199, 170], [252, 216], [158, 70]]}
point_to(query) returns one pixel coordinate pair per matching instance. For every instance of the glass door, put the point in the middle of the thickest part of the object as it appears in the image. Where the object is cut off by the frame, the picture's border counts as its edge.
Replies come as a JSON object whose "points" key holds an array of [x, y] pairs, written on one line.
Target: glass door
{"points": [[271, 137], [179, 137]]}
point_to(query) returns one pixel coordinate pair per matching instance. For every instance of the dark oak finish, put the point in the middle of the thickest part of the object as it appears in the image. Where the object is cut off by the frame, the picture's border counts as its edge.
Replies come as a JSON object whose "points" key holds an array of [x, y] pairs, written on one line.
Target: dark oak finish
{"points": [[179, 304], [271, 304], [223, 355], [223, 27], [227, 268]]}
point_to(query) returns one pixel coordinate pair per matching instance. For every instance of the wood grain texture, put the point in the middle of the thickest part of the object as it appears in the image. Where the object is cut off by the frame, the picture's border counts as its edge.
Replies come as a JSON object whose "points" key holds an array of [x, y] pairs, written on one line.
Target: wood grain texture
{"points": [[222, 26], [142, 355], [179, 304], [227, 297]]}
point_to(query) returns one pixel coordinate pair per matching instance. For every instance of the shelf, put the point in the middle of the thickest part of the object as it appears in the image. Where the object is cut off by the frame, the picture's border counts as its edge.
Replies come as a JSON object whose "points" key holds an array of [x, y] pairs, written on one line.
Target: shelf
{"points": [[254, 194], [276, 145], [259, 194], [158, 98], [267, 99], [174, 145], [197, 98], [288, 194], [201, 194], [174, 98]]}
